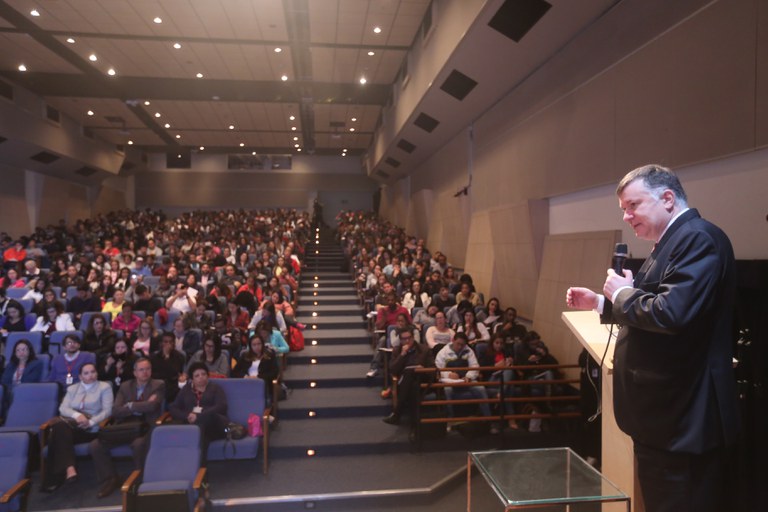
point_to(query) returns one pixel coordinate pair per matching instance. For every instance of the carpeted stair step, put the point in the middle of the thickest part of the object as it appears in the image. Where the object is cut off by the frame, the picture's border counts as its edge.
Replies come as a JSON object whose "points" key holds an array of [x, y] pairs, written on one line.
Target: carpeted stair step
{"points": [[362, 436], [333, 322], [330, 354], [334, 403], [337, 337], [333, 375], [340, 300]]}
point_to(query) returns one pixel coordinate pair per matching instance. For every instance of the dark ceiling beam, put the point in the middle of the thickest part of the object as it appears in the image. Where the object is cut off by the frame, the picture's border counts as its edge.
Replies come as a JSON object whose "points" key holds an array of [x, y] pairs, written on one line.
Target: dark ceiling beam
{"points": [[91, 74], [297, 24], [192, 89], [205, 40]]}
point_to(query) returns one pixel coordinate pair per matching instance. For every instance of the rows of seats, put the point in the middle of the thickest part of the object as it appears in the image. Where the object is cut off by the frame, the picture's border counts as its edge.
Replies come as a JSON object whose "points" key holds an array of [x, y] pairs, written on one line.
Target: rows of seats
{"points": [[236, 265], [428, 291]]}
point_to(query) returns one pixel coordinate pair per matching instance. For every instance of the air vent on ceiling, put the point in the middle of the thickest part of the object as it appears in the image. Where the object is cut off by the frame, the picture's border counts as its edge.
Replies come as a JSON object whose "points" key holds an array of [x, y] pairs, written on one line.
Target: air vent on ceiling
{"points": [[44, 157], [86, 171], [516, 17], [426, 122], [391, 161], [115, 119], [6, 90], [405, 146], [382, 174], [338, 124], [52, 114], [458, 85]]}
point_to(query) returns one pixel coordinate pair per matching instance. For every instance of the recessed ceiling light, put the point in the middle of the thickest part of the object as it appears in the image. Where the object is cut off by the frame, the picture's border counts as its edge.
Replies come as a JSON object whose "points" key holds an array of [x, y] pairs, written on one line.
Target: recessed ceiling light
{"points": [[34, 12], [158, 20], [178, 136], [177, 46], [292, 118], [157, 114], [295, 138], [296, 145], [377, 30], [111, 72], [90, 112], [253, 153], [130, 143], [299, 149], [202, 148], [363, 81], [22, 67], [371, 53], [71, 40], [293, 128], [199, 75], [354, 119], [92, 57], [278, 49], [167, 125], [284, 78], [231, 127], [351, 129], [242, 144], [146, 103], [345, 149], [343, 154]]}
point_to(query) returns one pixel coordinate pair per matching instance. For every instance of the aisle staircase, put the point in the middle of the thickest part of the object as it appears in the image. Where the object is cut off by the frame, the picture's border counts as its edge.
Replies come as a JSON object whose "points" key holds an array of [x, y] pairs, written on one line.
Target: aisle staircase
{"points": [[333, 409]]}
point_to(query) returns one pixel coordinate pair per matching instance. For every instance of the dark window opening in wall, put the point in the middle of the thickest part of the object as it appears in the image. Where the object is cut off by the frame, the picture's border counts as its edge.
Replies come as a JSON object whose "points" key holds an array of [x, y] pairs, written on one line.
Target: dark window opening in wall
{"points": [[179, 159], [52, 114], [249, 161], [282, 161], [6, 90], [516, 17]]}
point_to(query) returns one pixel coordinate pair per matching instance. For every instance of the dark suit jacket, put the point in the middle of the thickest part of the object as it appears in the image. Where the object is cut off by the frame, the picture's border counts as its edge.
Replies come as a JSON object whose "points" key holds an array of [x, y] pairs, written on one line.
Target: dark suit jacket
{"points": [[674, 386], [151, 409]]}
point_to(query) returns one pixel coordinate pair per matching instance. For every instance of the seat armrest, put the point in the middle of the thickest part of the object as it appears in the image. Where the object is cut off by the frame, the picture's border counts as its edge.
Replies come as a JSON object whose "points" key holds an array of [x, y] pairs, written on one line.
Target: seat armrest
{"points": [[21, 486], [164, 418], [200, 478], [265, 438], [131, 481]]}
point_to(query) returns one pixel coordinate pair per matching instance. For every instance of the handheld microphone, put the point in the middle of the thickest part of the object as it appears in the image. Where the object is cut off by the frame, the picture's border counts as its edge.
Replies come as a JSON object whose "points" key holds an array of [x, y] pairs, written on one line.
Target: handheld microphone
{"points": [[619, 257]]}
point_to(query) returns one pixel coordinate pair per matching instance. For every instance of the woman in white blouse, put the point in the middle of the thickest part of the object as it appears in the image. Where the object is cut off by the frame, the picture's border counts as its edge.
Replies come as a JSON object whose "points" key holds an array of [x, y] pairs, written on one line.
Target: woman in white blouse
{"points": [[86, 404], [55, 319]]}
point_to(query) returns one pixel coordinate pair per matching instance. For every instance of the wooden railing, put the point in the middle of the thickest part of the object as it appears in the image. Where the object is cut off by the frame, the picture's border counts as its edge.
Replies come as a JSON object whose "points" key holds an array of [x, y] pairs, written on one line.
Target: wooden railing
{"points": [[543, 404]]}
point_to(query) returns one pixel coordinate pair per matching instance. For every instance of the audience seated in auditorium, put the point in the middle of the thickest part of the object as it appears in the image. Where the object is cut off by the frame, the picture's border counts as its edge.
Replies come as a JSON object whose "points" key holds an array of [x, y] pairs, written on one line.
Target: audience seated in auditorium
{"points": [[138, 400], [386, 316], [98, 337], [145, 341], [257, 362], [55, 319], [86, 403], [116, 365], [406, 357], [23, 367], [82, 302], [126, 321], [65, 367], [168, 366], [217, 362], [439, 334], [15, 320]]}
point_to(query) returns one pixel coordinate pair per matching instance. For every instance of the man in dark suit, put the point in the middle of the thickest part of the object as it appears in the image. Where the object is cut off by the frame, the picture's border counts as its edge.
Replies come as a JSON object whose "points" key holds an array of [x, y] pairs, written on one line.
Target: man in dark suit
{"points": [[674, 389], [138, 400]]}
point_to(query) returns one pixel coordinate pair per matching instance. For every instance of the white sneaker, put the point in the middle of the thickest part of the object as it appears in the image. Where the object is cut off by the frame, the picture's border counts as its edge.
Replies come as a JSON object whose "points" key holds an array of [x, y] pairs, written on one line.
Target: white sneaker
{"points": [[372, 373]]}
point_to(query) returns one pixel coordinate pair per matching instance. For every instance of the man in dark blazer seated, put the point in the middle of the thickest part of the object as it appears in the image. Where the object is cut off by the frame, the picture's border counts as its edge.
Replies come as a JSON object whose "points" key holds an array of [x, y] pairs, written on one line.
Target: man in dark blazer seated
{"points": [[139, 399], [674, 389]]}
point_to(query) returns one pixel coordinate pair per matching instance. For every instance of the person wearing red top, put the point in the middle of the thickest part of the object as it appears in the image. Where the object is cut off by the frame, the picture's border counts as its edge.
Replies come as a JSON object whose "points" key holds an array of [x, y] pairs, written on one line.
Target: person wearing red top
{"points": [[126, 321], [386, 316], [237, 318], [15, 254]]}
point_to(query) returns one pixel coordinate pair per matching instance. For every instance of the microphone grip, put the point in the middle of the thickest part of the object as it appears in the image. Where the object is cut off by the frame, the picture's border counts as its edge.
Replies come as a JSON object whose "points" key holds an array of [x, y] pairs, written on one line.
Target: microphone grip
{"points": [[619, 258]]}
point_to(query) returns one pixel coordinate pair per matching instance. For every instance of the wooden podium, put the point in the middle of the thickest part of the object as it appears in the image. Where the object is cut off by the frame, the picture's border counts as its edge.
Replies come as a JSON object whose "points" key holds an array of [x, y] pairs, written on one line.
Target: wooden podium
{"points": [[618, 459]]}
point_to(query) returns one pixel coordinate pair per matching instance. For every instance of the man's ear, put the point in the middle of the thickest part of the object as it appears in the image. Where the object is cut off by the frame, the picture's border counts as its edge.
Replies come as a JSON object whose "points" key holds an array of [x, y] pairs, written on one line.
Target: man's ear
{"points": [[668, 196]]}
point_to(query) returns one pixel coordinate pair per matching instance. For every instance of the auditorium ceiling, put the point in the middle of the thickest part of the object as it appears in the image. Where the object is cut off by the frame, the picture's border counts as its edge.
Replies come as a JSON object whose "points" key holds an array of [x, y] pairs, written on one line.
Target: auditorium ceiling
{"points": [[276, 76]]}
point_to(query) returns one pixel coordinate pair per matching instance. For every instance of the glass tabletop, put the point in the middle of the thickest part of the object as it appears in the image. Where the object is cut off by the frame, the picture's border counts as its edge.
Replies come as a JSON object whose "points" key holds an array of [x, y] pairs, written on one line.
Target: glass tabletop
{"points": [[543, 476]]}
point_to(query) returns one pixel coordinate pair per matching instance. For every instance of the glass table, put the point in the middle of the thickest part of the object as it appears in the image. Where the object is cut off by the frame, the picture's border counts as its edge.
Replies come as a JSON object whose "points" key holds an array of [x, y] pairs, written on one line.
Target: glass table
{"points": [[541, 477]]}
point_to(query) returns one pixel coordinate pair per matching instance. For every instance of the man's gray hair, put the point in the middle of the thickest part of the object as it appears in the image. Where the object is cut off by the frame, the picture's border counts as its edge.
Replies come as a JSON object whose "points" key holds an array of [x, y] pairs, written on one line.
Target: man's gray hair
{"points": [[657, 179]]}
